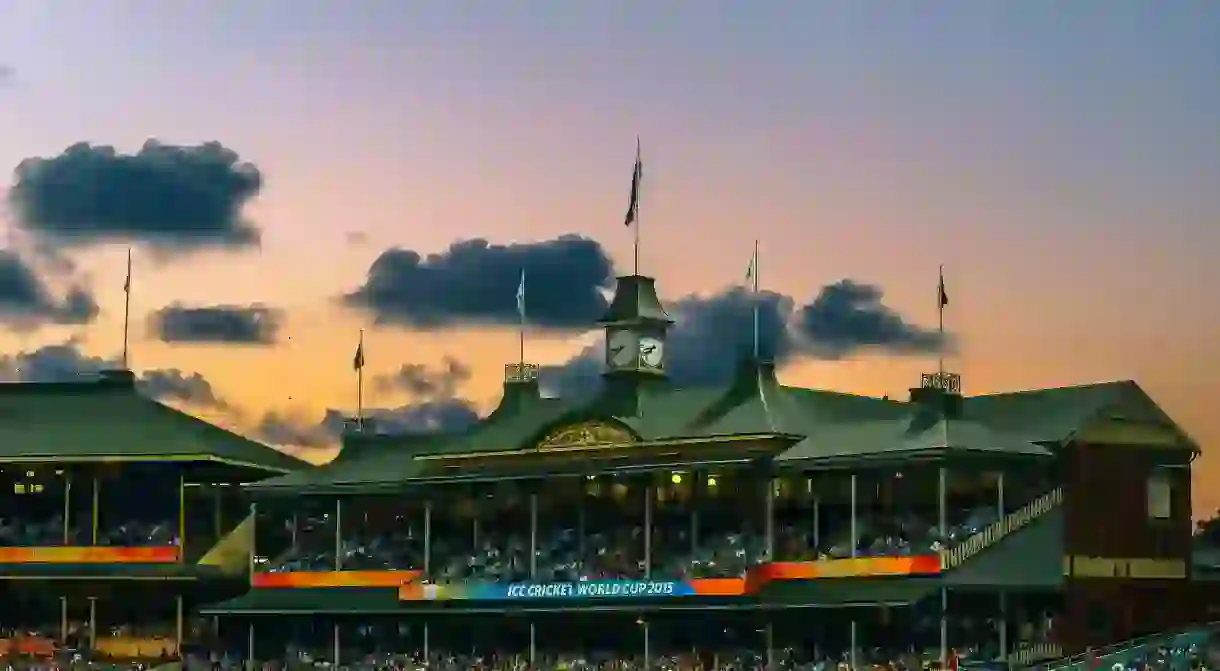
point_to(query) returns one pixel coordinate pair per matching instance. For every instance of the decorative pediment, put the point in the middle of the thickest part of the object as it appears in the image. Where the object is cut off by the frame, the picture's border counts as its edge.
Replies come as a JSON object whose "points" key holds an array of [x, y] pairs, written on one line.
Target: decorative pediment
{"points": [[588, 434]]}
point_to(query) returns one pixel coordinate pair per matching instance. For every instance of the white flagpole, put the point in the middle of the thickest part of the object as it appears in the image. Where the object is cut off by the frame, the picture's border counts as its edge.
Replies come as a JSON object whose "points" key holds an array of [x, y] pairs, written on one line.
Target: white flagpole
{"points": [[639, 188], [757, 344], [360, 385], [940, 318], [521, 329], [127, 310]]}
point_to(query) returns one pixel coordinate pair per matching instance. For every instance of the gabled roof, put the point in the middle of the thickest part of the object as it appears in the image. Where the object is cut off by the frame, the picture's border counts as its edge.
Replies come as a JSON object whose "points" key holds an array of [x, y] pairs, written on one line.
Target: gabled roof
{"points": [[1057, 415], [823, 426], [918, 433], [108, 420]]}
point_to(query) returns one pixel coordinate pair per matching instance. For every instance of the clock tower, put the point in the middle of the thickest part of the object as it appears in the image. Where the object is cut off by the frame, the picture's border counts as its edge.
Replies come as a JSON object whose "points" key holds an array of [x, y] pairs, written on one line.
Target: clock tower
{"points": [[635, 325]]}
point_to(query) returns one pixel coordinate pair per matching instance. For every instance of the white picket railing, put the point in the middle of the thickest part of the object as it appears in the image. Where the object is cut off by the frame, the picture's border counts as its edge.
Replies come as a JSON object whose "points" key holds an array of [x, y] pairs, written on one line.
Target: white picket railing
{"points": [[1029, 653], [1010, 523]]}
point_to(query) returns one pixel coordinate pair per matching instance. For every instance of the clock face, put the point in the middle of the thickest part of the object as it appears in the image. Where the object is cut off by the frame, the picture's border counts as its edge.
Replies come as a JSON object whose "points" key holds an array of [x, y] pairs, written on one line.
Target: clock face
{"points": [[622, 348], [651, 352]]}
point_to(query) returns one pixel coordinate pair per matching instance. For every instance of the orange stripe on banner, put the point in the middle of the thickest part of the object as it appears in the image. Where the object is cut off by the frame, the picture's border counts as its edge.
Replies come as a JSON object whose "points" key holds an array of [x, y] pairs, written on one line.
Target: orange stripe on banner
{"points": [[860, 567], [308, 579], [719, 586], [90, 555]]}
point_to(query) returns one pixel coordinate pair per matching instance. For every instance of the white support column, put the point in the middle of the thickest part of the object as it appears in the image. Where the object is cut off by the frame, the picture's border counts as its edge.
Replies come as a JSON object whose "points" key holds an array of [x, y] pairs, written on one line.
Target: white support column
{"points": [[769, 522], [694, 512], [427, 540], [855, 536], [533, 545], [648, 496], [999, 495], [817, 523], [944, 628], [533, 652], [338, 534], [335, 656], [770, 641], [853, 642], [647, 644], [942, 494]]}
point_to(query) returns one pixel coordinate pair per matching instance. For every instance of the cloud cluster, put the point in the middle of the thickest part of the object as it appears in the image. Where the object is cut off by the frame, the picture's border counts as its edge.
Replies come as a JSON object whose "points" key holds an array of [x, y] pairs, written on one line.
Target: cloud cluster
{"points": [[216, 324], [65, 362], [475, 281], [170, 198], [422, 381], [26, 301], [434, 406]]}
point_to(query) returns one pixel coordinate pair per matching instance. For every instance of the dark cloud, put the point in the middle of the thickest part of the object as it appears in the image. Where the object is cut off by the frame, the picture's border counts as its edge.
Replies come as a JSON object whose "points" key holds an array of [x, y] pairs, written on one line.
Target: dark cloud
{"points": [[422, 381], [712, 334], [217, 324], [848, 316], [27, 301], [172, 384], [475, 281], [65, 362], [52, 363], [443, 415], [170, 198]]}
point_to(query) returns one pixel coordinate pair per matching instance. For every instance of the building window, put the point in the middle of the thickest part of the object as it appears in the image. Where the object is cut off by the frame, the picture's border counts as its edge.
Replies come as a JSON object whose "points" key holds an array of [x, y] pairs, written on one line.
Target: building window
{"points": [[1160, 494]]}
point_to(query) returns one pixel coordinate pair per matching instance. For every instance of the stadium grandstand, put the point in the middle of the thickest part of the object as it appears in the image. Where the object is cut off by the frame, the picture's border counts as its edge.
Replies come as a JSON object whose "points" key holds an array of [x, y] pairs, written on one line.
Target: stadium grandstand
{"points": [[747, 525], [119, 518]]}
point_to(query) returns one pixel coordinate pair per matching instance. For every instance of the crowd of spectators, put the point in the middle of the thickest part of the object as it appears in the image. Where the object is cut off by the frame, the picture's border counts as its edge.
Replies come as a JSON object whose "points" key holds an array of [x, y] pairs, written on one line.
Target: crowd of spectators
{"points": [[572, 553], [50, 532], [902, 534]]}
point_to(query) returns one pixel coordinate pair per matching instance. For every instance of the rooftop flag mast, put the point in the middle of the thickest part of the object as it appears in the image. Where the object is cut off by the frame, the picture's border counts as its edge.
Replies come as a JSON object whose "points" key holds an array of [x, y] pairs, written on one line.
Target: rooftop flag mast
{"points": [[942, 300], [633, 206], [752, 280], [358, 366], [521, 315], [126, 310]]}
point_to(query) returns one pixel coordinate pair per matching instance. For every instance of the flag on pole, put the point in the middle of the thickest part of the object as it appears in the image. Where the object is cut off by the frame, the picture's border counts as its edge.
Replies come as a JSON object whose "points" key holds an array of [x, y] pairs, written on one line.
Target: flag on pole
{"points": [[521, 296], [940, 289], [127, 282], [636, 175], [358, 360], [752, 271]]}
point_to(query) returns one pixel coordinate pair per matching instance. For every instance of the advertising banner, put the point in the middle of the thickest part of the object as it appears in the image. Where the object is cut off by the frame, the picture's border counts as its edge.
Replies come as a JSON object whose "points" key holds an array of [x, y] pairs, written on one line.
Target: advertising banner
{"points": [[862, 567], [90, 555], [315, 579], [592, 589]]}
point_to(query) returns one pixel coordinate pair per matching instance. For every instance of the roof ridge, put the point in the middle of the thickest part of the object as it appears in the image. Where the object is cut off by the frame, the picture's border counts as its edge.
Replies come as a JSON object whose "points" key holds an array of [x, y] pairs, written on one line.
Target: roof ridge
{"points": [[1071, 387]]}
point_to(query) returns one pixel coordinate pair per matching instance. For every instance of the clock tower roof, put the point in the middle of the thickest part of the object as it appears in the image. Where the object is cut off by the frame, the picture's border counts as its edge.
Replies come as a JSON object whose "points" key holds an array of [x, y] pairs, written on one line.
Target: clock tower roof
{"points": [[635, 301]]}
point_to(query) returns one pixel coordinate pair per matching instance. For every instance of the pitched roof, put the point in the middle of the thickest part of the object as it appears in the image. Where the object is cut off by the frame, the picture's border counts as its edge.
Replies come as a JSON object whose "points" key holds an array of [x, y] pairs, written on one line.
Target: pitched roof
{"points": [[1056, 415], [917, 433], [108, 419], [824, 425]]}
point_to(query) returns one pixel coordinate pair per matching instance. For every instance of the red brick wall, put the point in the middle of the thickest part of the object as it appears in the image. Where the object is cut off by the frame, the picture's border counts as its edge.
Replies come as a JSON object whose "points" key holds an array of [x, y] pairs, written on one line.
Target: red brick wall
{"points": [[1106, 515]]}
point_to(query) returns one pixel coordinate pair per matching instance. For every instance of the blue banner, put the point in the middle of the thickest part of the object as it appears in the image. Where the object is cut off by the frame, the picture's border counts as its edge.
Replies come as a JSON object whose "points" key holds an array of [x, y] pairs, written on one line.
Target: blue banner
{"points": [[594, 589]]}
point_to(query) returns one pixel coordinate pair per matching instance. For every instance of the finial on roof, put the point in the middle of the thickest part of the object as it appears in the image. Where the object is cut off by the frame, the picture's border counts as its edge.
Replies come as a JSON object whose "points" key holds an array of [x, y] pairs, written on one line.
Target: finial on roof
{"points": [[516, 373]]}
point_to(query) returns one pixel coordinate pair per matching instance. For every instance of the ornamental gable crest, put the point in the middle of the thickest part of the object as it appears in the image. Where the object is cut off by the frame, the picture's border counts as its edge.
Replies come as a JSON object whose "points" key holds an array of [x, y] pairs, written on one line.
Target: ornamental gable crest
{"points": [[589, 434]]}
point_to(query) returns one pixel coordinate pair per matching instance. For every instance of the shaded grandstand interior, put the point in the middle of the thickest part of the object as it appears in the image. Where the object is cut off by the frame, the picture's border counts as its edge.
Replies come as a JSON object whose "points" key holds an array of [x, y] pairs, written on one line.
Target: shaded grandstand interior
{"points": [[729, 638], [115, 505], [704, 524]]}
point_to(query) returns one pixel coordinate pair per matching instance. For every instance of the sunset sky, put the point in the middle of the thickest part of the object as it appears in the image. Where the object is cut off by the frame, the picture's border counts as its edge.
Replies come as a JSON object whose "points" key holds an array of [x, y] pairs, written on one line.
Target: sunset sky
{"points": [[1062, 160]]}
